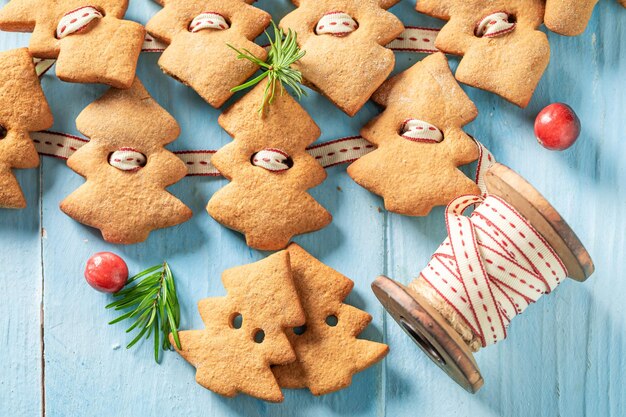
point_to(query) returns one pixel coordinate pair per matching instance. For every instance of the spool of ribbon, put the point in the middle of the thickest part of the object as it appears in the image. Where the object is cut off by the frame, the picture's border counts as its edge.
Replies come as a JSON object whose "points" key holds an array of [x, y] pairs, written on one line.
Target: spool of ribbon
{"points": [[336, 24], [494, 25], [510, 251], [420, 131], [271, 159], [208, 20], [76, 20], [127, 159]]}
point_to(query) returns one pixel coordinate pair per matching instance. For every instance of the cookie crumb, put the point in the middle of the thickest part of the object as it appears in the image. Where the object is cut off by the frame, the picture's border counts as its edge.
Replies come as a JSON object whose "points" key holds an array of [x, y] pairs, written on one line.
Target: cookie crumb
{"points": [[339, 189]]}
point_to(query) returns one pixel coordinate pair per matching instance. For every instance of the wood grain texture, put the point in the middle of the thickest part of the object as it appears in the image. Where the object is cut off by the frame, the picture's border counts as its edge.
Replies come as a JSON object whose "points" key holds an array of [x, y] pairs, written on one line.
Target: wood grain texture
{"points": [[564, 356]]}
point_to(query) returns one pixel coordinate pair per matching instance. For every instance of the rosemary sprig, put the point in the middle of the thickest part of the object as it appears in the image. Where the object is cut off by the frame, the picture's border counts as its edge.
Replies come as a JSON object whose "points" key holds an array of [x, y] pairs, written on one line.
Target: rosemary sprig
{"points": [[151, 296], [283, 52]]}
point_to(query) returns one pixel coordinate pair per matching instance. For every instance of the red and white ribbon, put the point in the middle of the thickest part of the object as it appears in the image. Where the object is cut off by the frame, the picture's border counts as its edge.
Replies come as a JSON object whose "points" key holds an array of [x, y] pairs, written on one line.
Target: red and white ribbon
{"points": [[415, 39], [271, 159], [336, 24], [327, 154], [493, 25], [127, 159], [492, 266], [335, 152], [420, 131], [208, 20], [76, 20]]}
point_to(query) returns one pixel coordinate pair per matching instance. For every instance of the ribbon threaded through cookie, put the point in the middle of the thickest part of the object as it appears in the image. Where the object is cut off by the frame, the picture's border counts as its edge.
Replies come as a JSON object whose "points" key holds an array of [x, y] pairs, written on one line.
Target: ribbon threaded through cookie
{"points": [[208, 20], [127, 159], [336, 24], [76, 21], [494, 25], [492, 266], [420, 131], [271, 159]]}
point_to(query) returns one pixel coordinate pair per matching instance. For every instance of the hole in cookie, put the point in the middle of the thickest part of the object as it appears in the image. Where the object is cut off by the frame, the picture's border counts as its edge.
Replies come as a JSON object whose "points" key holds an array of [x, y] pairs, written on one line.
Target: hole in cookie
{"points": [[416, 130], [495, 24], [3, 132], [273, 160], [423, 342], [332, 320], [258, 336], [236, 321], [336, 23], [78, 20], [209, 20], [299, 331], [127, 159]]}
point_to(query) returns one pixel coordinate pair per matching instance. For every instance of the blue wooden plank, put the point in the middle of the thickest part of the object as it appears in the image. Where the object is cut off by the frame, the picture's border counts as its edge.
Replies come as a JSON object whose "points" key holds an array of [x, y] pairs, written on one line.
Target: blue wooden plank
{"points": [[565, 356], [20, 292]]}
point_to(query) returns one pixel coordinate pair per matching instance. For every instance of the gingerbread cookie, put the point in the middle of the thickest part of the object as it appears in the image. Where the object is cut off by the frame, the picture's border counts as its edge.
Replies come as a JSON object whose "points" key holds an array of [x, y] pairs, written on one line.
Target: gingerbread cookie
{"points": [[245, 330], [88, 38], [23, 109], [503, 52], [197, 29], [420, 140], [568, 17], [126, 167], [346, 59], [327, 347], [269, 170]]}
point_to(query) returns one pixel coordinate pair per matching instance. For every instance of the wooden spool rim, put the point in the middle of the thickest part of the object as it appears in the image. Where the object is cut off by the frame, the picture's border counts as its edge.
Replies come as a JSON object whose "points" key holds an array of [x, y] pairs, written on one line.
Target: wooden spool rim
{"points": [[430, 330], [505, 183]]}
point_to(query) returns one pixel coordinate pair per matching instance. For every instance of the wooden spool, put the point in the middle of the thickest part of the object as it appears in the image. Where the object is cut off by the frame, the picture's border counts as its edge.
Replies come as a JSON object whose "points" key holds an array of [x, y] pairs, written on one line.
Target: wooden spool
{"points": [[430, 331]]}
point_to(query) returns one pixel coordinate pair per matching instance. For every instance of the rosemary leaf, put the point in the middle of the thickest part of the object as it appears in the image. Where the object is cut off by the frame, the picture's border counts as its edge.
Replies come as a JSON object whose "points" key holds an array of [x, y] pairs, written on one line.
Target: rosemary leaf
{"points": [[154, 309], [283, 52]]}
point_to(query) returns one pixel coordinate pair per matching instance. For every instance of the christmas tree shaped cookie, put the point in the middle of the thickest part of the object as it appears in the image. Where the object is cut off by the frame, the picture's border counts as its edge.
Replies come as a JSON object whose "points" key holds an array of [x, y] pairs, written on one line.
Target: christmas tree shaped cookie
{"points": [[198, 33], [327, 347], [90, 41], [503, 52], [23, 109], [245, 330], [346, 59], [269, 170], [126, 167], [420, 140]]}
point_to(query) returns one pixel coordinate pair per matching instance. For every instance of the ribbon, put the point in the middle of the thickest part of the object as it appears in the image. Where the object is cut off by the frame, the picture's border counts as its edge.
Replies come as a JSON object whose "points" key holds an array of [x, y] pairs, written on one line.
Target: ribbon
{"points": [[338, 24], [208, 20], [494, 25], [127, 159], [420, 131], [271, 159], [492, 266], [76, 20]]}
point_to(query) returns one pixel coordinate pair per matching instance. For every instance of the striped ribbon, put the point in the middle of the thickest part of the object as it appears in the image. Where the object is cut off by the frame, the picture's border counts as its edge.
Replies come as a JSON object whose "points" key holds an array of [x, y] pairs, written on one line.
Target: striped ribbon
{"points": [[492, 266], [413, 39], [76, 20], [327, 154]]}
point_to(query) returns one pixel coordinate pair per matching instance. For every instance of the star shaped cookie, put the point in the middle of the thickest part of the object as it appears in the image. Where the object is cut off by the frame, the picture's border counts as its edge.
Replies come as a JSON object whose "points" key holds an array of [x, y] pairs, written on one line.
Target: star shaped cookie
{"points": [[503, 52], [105, 50], [415, 169], [23, 109], [198, 33], [346, 66]]}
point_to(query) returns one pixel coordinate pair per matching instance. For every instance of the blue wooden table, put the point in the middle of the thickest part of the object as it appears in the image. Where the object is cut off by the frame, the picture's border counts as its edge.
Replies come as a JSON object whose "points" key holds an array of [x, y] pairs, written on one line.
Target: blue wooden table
{"points": [[565, 356]]}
